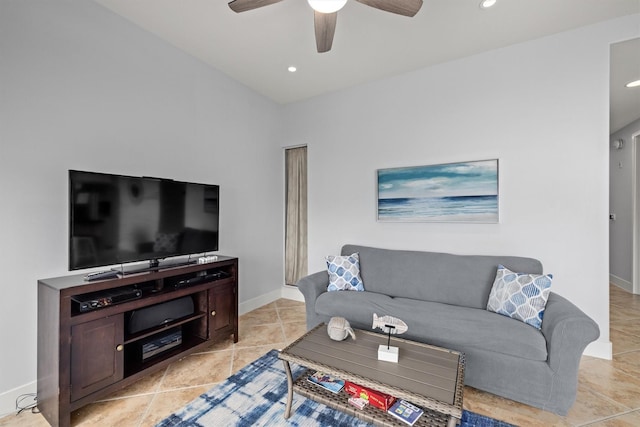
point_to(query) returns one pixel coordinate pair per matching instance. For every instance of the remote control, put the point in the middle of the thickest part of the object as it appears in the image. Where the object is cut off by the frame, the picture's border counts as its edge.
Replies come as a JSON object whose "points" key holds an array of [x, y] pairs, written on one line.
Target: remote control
{"points": [[101, 275]]}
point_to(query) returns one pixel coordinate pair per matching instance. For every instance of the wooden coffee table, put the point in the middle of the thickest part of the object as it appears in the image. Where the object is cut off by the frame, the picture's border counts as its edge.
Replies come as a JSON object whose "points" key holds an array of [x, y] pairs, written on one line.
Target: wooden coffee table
{"points": [[427, 376]]}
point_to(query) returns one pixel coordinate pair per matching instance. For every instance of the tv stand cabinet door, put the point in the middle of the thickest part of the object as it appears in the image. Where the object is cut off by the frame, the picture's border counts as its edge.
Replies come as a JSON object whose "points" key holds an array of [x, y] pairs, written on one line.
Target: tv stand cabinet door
{"points": [[97, 355], [222, 308]]}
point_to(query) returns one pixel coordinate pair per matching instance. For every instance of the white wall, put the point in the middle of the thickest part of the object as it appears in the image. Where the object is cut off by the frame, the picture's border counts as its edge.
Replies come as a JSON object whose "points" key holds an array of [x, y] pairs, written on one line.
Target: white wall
{"points": [[621, 203], [540, 107], [81, 88]]}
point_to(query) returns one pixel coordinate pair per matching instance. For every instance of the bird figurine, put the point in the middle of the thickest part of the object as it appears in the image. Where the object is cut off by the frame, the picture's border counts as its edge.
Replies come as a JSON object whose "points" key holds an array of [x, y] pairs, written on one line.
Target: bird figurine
{"points": [[339, 329], [389, 324]]}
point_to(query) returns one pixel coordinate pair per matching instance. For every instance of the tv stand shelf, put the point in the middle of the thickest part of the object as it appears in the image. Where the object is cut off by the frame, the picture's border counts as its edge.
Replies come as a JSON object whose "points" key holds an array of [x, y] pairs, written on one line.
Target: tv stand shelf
{"points": [[128, 339], [85, 356]]}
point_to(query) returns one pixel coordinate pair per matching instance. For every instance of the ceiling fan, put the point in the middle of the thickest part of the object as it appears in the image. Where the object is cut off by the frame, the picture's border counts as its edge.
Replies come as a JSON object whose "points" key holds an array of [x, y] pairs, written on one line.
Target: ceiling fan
{"points": [[326, 13]]}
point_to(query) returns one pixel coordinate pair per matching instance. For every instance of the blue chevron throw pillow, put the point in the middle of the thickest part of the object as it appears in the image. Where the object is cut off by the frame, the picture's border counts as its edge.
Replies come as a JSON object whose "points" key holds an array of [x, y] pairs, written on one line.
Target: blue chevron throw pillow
{"points": [[520, 296], [344, 273]]}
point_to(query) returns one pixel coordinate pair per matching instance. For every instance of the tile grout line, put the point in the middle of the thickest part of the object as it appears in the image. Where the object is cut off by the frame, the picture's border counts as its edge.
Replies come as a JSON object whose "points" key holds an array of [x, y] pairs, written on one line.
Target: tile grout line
{"points": [[155, 394], [611, 417], [114, 399], [146, 411], [284, 335], [626, 352], [154, 390], [612, 400], [233, 356]]}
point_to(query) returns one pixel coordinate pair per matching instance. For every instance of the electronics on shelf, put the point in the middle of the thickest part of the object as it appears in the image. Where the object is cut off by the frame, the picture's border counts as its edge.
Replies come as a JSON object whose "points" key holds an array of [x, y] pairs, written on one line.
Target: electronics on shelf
{"points": [[206, 259], [160, 314], [95, 300], [100, 275], [192, 280], [160, 343]]}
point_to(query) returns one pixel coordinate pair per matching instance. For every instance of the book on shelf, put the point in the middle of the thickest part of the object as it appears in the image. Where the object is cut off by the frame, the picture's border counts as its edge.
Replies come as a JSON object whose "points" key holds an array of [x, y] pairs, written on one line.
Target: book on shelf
{"points": [[375, 398], [405, 411], [332, 384], [358, 402]]}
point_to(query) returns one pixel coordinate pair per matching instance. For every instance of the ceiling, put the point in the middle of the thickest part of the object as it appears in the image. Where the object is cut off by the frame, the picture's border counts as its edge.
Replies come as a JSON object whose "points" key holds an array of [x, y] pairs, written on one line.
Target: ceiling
{"points": [[625, 67], [257, 47]]}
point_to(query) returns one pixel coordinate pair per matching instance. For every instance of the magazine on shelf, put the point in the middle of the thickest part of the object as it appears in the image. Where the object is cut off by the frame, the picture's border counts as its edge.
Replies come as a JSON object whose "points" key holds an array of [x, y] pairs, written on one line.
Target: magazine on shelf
{"points": [[405, 411], [323, 380]]}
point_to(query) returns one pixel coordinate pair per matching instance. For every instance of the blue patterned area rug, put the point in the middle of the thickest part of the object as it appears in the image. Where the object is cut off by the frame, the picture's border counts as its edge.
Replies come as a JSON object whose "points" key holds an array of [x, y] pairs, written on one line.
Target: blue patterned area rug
{"points": [[256, 396]]}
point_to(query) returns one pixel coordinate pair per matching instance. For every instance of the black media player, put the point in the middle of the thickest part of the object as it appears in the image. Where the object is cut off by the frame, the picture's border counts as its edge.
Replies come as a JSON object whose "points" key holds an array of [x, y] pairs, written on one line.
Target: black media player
{"points": [[95, 300], [161, 342]]}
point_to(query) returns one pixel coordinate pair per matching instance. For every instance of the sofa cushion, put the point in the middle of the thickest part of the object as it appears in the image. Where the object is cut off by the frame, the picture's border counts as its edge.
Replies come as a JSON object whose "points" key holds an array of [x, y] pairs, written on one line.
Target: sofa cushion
{"points": [[454, 327], [520, 296], [344, 273], [463, 280]]}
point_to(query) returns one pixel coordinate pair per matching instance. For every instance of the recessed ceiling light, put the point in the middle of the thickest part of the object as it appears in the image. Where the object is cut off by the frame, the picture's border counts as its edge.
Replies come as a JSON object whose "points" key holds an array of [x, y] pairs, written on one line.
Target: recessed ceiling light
{"points": [[485, 4], [292, 69], [635, 83]]}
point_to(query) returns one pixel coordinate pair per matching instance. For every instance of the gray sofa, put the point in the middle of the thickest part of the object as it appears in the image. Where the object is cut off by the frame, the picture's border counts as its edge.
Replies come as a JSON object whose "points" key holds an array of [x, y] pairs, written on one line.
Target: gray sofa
{"points": [[443, 299]]}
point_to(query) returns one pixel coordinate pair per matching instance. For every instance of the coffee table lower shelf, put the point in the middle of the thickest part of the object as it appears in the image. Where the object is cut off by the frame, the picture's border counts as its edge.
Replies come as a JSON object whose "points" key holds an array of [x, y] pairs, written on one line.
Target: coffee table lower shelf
{"points": [[369, 414]]}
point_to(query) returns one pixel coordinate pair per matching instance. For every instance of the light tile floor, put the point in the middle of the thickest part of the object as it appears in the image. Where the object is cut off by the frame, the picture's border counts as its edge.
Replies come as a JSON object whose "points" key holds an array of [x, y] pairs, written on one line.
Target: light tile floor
{"points": [[608, 391]]}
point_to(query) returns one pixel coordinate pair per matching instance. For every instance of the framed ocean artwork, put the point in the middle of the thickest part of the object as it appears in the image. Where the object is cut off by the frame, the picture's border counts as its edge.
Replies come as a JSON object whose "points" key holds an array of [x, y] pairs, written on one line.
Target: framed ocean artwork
{"points": [[452, 192]]}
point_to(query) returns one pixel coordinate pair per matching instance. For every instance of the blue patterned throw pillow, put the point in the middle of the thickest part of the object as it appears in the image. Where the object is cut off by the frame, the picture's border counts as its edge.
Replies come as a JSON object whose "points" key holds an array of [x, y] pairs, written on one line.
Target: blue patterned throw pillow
{"points": [[520, 296], [344, 273]]}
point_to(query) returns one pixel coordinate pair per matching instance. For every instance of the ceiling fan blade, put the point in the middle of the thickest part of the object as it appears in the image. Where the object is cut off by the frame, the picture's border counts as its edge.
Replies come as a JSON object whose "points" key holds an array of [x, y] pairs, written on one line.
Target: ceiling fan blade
{"points": [[244, 5], [325, 24], [401, 7]]}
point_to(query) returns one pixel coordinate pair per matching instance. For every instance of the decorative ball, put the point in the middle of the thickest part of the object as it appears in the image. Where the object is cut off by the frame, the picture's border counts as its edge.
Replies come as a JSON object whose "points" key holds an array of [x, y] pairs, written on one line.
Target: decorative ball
{"points": [[339, 328]]}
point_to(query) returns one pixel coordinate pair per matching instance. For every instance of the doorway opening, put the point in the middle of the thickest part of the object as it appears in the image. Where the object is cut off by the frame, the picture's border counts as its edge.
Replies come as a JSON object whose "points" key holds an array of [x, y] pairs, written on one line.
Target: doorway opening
{"points": [[635, 140], [624, 166]]}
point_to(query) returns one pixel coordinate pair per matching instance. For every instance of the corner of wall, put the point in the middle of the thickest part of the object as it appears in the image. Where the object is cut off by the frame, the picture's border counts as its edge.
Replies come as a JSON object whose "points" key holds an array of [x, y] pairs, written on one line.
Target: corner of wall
{"points": [[8, 399], [292, 292], [621, 283], [600, 349]]}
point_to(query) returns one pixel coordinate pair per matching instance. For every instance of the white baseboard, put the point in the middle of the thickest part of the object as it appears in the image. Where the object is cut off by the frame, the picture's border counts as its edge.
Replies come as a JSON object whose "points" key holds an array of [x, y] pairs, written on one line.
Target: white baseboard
{"points": [[624, 284], [600, 349], [257, 302], [8, 398], [287, 291], [292, 292]]}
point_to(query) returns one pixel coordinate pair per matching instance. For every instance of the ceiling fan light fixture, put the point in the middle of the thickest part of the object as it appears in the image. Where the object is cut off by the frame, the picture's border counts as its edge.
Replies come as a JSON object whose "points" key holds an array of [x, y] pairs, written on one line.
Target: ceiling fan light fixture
{"points": [[486, 4], [635, 83], [327, 6]]}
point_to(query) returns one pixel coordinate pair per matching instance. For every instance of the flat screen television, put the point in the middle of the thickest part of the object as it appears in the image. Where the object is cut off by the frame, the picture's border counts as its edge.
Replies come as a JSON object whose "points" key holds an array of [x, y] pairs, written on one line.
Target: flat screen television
{"points": [[117, 219]]}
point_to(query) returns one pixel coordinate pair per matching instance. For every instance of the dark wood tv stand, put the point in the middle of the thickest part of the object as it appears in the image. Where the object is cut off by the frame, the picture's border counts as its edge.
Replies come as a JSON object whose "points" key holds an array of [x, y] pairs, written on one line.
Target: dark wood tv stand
{"points": [[84, 356]]}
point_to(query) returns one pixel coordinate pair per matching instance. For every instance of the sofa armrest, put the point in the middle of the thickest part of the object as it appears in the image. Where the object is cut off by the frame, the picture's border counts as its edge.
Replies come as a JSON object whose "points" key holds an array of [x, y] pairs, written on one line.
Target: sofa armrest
{"points": [[312, 287], [567, 331]]}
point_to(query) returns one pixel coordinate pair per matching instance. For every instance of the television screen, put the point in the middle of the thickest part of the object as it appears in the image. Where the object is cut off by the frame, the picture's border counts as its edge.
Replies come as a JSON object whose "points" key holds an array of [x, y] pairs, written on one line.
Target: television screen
{"points": [[116, 219]]}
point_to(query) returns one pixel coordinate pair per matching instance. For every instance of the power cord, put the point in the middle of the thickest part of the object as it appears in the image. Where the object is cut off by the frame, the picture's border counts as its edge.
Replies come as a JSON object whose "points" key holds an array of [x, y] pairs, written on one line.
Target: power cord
{"points": [[23, 405]]}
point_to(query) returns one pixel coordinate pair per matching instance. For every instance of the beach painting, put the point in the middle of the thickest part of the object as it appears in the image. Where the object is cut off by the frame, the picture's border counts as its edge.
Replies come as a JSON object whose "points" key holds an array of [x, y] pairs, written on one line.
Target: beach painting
{"points": [[452, 192]]}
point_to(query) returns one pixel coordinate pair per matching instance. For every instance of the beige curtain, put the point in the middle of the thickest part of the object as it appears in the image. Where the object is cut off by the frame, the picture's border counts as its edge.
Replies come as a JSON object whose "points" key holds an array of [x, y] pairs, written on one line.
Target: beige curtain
{"points": [[295, 263]]}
